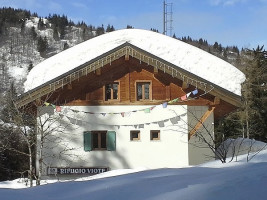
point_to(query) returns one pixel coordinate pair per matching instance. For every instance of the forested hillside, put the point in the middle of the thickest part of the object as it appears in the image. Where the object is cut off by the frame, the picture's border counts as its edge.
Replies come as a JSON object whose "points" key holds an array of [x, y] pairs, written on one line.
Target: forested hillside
{"points": [[26, 39]]}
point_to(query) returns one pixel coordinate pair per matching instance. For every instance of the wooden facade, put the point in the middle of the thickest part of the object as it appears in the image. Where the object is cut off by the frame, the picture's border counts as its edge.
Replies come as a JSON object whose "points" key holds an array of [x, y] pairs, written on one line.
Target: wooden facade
{"points": [[90, 89], [127, 66]]}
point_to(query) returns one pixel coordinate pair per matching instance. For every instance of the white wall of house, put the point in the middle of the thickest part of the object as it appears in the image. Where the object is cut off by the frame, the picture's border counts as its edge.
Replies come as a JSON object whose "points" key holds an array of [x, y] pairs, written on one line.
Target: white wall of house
{"points": [[66, 148]]}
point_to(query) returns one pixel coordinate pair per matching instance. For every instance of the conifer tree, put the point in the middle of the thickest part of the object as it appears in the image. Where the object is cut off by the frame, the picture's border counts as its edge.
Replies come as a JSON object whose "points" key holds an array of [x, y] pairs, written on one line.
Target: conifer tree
{"points": [[33, 33], [41, 24], [250, 120], [13, 146], [42, 45], [100, 30], [255, 93], [55, 33]]}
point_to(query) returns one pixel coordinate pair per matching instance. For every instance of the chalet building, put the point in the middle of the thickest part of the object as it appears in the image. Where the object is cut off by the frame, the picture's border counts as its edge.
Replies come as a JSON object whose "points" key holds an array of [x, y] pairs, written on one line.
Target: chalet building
{"points": [[128, 99]]}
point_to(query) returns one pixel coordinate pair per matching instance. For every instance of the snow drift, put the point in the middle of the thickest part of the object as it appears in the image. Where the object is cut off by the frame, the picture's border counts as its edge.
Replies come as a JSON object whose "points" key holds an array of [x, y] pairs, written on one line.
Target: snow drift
{"points": [[214, 180]]}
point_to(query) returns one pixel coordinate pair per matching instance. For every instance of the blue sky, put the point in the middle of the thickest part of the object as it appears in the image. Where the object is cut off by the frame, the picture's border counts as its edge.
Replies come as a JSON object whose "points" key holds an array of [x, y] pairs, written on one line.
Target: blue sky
{"points": [[230, 22]]}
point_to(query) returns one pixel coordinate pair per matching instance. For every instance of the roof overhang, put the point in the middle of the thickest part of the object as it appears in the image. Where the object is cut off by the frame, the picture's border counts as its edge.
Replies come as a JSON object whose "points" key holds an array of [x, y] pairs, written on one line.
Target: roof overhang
{"points": [[127, 50]]}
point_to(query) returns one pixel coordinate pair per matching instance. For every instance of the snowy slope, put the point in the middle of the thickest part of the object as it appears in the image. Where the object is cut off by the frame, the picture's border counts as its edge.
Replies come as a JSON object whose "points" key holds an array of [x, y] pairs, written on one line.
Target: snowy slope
{"points": [[172, 50], [18, 51], [231, 181]]}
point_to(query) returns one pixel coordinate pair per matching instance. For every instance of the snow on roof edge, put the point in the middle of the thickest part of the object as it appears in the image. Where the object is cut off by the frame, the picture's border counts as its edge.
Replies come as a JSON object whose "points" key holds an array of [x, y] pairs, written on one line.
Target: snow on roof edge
{"points": [[183, 55]]}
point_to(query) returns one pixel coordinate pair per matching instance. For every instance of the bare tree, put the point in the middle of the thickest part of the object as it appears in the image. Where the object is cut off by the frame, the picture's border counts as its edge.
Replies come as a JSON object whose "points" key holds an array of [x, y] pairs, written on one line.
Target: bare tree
{"points": [[50, 131], [18, 126], [49, 134], [225, 148], [38, 127]]}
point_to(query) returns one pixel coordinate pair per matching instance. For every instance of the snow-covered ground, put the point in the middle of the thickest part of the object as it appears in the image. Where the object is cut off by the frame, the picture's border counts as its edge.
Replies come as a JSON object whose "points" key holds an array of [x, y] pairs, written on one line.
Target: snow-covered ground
{"points": [[214, 180]]}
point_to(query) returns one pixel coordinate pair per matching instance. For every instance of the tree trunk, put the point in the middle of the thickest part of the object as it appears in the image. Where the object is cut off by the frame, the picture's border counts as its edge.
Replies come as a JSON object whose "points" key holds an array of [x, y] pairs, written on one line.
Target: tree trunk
{"points": [[31, 166], [40, 159]]}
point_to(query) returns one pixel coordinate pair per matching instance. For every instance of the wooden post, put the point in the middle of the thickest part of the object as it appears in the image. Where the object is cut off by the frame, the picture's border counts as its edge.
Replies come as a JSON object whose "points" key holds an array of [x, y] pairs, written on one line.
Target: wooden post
{"points": [[156, 70], [201, 122], [98, 71], [69, 86], [185, 85], [168, 92], [216, 101], [127, 57]]}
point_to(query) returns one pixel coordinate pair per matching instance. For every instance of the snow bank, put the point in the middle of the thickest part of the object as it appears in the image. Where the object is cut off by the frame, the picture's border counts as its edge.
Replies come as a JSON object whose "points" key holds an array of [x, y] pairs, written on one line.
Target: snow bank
{"points": [[241, 146], [235, 180], [172, 50]]}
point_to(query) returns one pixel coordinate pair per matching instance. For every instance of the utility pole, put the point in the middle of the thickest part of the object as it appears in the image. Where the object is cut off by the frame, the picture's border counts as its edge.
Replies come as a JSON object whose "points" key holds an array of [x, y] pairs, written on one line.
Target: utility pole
{"points": [[167, 18]]}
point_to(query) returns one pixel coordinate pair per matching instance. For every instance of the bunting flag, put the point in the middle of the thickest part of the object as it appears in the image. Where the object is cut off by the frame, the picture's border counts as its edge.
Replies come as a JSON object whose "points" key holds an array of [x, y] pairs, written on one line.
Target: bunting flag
{"points": [[188, 94], [165, 104], [146, 110], [173, 101], [58, 108], [175, 120], [152, 107], [141, 126], [183, 98], [127, 114], [160, 123], [195, 92]]}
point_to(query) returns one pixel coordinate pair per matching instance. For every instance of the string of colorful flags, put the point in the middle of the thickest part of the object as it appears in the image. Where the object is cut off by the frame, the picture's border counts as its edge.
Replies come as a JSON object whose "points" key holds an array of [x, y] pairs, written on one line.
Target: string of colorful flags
{"points": [[183, 98], [161, 123]]}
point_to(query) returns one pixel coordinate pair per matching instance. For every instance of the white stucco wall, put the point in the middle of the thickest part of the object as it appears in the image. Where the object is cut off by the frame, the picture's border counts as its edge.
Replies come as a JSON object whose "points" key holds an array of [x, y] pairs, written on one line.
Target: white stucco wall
{"points": [[170, 151], [199, 152]]}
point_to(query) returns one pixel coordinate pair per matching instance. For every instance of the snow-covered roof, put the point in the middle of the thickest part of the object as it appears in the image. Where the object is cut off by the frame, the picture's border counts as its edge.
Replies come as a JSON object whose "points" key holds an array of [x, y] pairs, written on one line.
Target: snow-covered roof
{"points": [[180, 54]]}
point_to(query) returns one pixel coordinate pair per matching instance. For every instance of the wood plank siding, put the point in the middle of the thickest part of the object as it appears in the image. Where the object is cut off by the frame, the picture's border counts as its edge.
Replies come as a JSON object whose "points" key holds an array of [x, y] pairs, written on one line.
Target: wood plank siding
{"points": [[90, 89], [128, 65]]}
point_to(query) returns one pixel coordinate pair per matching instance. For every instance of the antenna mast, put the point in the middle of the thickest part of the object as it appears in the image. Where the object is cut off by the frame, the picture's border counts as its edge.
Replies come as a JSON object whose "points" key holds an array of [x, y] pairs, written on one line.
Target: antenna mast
{"points": [[167, 18]]}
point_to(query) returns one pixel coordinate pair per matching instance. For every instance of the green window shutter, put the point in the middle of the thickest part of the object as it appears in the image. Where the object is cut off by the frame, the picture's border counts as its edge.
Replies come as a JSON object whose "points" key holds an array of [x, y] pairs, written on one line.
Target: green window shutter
{"points": [[111, 141], [87, 138]]}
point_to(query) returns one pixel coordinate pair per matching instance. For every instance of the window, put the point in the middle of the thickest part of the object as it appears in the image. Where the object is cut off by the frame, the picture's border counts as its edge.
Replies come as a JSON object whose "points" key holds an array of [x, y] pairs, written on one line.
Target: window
{"points": [[135, 135], [143, 90], [112, 91], [99, 140], [154, 135]]}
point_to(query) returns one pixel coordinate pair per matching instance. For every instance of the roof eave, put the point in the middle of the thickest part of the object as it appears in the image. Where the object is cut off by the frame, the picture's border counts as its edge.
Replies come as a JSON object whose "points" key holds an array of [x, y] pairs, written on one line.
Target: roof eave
{"points": [[127, 49]]}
